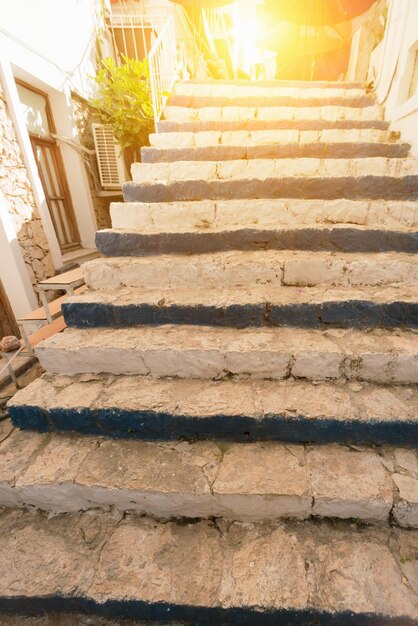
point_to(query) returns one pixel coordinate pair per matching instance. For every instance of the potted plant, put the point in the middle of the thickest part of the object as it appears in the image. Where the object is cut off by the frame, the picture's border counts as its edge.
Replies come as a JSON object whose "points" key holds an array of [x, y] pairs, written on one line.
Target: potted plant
{"points": [[124, 103]]}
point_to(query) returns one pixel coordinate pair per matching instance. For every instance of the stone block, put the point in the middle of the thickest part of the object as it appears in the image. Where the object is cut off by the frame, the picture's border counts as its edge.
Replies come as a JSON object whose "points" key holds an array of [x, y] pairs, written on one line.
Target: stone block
{"points": [[405, 510], [349, 484]]}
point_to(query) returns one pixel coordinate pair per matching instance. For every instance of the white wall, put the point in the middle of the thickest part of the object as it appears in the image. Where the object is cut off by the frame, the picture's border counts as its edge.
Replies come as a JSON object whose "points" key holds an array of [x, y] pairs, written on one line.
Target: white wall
{"points": [[51, 44], [51, 39], [397, 52]]}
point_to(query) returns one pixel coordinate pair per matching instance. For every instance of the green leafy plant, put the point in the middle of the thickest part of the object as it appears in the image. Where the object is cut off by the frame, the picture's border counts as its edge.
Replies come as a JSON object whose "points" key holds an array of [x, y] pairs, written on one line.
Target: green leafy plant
{"points": [[124, 100]]}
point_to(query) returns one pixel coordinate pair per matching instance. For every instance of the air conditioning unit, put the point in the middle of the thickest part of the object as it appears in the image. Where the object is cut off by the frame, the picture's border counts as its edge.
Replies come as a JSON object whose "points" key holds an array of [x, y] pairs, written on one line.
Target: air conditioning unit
{"points": [[112, 170]]}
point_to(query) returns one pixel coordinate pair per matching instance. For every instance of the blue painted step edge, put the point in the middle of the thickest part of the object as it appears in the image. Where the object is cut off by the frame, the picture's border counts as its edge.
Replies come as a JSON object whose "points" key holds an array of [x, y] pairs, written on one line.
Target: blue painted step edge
{"points": [[346, 314], [165, 613], [151, 425]]}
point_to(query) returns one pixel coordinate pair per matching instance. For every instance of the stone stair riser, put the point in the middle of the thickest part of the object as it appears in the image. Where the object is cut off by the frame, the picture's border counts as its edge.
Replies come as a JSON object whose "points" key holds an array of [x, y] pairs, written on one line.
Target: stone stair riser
{"points": [[354, 313], [331, 188], [246, 269], [337, 239], [135, 407], [320, 362], [268, 88], [365, 100], [201, 480], [300, 117], [309, 150], [203, 215], [256, 124], [270, 139]]}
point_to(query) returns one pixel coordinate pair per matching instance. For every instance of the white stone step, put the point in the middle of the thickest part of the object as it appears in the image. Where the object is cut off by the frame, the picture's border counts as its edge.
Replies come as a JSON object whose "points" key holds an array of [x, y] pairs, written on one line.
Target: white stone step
{"points": [[206, 572], [250, 268], [209, 215], [267, 88], [290, 411], [320, 307], [247, 94], [215, 353], [372, 178], [240, 481], [256, 138], [302, 115], [216, 145]]}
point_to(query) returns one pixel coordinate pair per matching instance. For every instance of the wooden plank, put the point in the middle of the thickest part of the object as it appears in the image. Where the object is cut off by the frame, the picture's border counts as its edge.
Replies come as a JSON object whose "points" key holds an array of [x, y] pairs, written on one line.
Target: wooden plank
{"points": [[67, 278]]}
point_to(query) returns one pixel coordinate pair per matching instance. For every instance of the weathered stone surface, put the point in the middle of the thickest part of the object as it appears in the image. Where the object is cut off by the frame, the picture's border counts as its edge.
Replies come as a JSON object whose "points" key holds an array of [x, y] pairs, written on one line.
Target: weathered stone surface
{"points": [[354, 483], [293, 98], [240, 573], [406, 509], [210, 352], [243, 268], [244, 307], [371, 178], [211, 215], [16, 453], [135, 407], [278, 143]]}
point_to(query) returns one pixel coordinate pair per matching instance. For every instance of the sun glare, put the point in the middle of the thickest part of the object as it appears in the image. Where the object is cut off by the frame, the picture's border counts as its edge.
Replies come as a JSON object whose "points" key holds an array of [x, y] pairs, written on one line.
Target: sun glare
{"points": [[246, 33]]}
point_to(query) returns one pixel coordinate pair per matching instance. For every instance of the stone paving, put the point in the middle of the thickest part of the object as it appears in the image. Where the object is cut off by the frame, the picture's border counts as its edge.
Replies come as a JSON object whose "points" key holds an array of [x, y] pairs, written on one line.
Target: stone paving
{"points": [[227, 431]]}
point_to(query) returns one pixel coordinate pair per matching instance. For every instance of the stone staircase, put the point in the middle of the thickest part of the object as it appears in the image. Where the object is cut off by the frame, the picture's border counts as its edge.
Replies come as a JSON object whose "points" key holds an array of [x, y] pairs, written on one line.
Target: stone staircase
{"points": [[227, 431]]}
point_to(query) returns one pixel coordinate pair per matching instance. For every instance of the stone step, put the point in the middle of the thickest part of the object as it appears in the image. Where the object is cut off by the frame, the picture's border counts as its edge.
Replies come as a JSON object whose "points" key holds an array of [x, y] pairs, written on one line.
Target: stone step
{"points": [[244, 114], [197, 240], [216, 145], [379, 356], [204, 216], [140, 407], [203, 139], [320, 307], [239, 87], [219, 96], [239, 481], [272, 117], [207, 572], [253, 124], [277, 268], [206, 239], [327, 179]]}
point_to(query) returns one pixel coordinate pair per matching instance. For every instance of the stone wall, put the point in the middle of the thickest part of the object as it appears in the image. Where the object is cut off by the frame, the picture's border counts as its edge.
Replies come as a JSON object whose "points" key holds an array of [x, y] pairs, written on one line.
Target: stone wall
{"points": [[16, 188], [85, 116]]}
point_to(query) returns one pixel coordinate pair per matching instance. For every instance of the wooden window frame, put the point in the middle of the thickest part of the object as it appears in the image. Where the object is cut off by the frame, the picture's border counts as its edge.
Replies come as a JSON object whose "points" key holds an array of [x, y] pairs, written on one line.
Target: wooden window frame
{"points": [[34, 138]]}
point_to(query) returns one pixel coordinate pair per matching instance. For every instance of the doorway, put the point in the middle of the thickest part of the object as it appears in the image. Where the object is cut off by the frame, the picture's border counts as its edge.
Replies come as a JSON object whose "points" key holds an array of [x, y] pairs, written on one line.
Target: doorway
{"points": [[8, 325], [41, 128]]}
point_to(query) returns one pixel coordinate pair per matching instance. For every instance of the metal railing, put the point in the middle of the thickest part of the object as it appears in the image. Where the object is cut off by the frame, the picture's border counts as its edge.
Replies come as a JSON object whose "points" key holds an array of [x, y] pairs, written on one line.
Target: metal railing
{"points": [[163, 68], [134, 34]]}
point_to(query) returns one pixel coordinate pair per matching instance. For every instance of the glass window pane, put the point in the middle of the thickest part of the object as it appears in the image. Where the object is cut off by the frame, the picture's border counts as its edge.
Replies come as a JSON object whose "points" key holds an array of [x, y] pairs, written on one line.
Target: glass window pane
{"points": [[34, 111]]}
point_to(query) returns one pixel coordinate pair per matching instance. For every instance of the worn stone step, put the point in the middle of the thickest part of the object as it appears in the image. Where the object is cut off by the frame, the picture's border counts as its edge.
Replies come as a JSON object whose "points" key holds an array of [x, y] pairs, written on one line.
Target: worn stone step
{"points": [[207, 572], [247, 481], [216, 145], [327, 179], [256, 123], [215, 353], [189, 95], [236, 268], [262, 118], [267, 87], [141, 407], [320, 307], [203, 139], [204, 238], [209, 215]]}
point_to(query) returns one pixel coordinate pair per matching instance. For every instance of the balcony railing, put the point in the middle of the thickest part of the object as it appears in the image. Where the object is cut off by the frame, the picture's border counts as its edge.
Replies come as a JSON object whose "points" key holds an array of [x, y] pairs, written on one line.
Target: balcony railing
{"points": [[163, 68]]}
